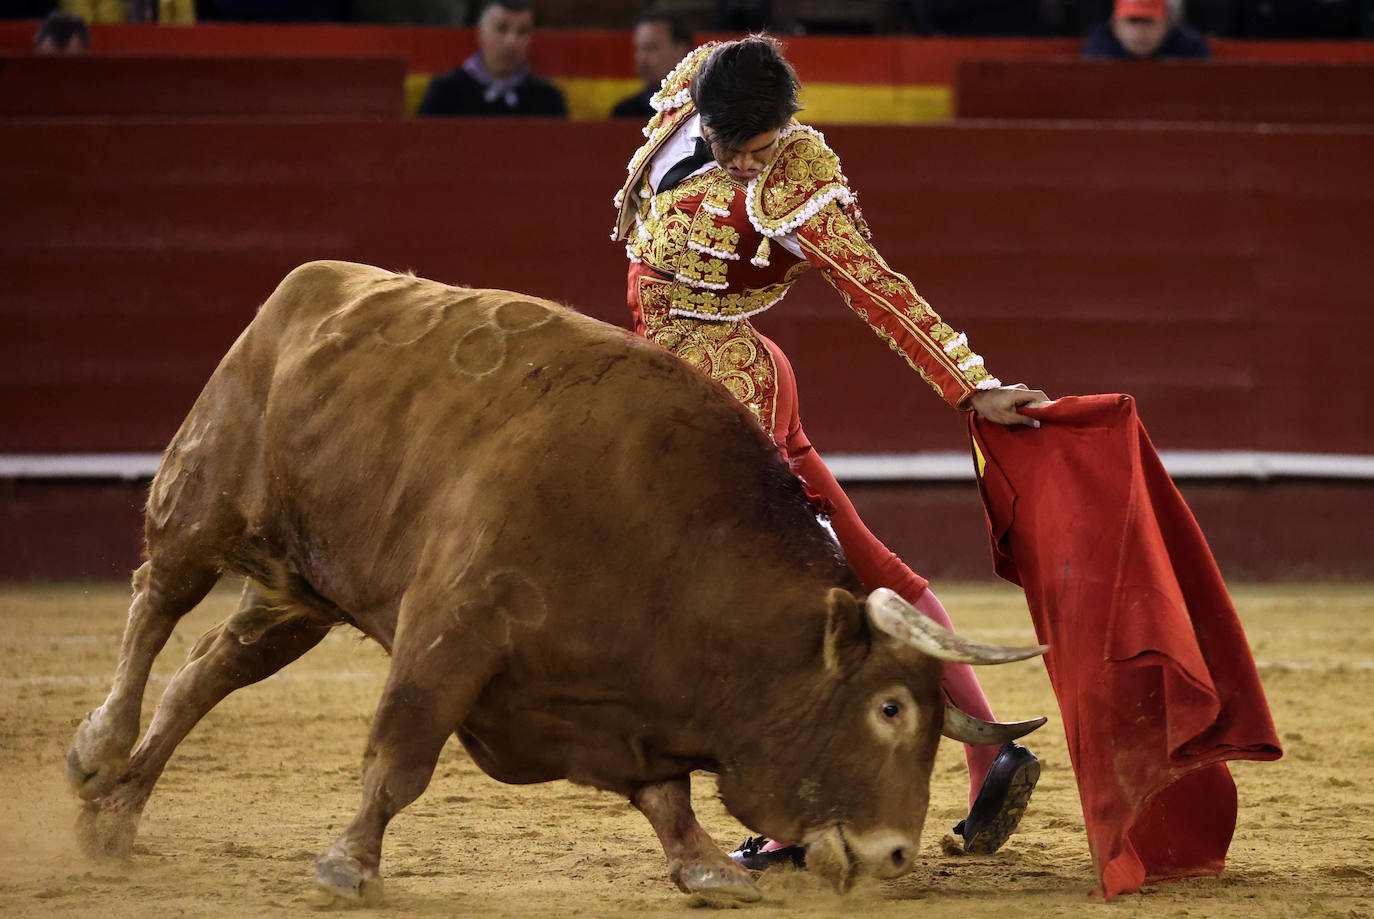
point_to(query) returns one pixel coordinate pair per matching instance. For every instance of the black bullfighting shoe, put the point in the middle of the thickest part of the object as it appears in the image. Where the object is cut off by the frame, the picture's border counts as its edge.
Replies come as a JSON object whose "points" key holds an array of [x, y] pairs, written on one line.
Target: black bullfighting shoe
{"points": [[750, 854], [1001, 801]]}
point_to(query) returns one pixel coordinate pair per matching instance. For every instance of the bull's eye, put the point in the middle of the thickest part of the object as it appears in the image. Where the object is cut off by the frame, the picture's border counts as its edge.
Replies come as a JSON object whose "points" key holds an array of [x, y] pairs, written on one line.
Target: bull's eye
{"points": [[891, 709]]}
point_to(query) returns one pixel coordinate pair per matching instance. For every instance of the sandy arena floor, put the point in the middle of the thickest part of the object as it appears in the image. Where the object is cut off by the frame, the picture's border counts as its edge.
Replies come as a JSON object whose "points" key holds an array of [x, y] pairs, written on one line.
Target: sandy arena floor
{"points": [[271, 776]]}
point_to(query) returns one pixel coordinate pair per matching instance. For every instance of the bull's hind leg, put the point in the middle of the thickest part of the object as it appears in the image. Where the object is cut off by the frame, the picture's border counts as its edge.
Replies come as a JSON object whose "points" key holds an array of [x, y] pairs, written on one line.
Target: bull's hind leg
{"points": [[695, 862], [162, 595], [220, 663]]}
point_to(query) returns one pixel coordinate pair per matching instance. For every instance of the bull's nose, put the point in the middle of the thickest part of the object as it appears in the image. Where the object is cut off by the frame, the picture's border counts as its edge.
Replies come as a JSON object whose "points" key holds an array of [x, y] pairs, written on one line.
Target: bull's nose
{"points": [[886, 854]]}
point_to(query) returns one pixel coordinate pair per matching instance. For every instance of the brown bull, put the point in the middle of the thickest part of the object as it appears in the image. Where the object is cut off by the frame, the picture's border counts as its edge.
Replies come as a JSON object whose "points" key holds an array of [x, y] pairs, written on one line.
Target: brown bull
{"points": [[585, 559]]}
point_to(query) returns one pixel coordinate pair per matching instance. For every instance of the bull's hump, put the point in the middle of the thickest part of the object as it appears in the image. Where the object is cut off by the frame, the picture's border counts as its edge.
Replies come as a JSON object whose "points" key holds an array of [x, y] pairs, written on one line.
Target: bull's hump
{"points": [[333, 323]]}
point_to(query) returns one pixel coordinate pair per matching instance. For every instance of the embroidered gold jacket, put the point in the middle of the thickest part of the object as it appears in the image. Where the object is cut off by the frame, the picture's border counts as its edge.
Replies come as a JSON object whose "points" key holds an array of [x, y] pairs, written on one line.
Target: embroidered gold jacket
{"points": [[698, 234]]}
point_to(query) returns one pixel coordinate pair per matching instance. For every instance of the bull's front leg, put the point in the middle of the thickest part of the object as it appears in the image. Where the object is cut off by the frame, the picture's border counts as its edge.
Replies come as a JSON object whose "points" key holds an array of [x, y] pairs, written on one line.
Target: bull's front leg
{"points": [[100, 750], [218, 664], [695, 862], [438, 668]]}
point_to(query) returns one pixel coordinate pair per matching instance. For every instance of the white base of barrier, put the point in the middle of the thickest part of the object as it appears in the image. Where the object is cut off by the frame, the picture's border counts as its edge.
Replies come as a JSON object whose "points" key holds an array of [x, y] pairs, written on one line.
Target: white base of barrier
{"points": [[847, 467]]}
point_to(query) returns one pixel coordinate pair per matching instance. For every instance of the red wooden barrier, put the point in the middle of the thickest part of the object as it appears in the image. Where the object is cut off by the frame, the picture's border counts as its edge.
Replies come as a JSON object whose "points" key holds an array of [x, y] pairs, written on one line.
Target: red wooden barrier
{"points": [[1216, 273], [1293, 93], [114, 86]]}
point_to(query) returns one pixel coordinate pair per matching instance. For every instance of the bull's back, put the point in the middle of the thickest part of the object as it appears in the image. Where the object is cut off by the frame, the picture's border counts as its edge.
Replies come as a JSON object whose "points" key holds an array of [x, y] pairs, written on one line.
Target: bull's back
{"points": [[393, 374], [380, 417]]}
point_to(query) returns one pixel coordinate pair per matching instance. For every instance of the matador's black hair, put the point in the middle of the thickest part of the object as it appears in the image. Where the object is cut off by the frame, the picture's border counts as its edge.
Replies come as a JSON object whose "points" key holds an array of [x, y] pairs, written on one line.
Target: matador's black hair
{"points": [[744, 89]]}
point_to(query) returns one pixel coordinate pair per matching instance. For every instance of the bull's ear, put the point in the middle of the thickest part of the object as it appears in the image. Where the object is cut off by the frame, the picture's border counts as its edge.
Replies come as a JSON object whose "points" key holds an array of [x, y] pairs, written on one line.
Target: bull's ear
{"points": [[847, 637]]}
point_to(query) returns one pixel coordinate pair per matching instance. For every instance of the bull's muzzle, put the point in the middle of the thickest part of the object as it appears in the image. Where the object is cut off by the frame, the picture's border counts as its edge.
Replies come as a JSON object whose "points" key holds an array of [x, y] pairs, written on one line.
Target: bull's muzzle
{"points": [[842, 857]]}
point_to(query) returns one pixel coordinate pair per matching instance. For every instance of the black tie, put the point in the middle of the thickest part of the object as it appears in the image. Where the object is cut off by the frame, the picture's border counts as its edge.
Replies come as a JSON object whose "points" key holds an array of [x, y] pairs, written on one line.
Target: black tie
{"points": [[686, 166]]}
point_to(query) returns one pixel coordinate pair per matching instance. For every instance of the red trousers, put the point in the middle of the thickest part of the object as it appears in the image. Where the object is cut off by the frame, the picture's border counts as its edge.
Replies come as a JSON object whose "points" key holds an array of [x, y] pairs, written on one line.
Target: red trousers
{"points": [[874, 563]]}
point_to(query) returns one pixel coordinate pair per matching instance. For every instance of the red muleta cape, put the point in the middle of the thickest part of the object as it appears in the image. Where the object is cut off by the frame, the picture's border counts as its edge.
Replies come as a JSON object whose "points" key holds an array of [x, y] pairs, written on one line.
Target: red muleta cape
{"points": [[1154, 677]]}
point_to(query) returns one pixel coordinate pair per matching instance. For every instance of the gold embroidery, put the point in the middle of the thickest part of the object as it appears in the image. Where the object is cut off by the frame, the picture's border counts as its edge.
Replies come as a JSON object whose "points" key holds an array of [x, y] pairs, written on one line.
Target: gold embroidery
{"points": [[660, 127], [839, 235], [721, 195], [804, 175], [942, 333], [824, 171], [706, 232], [727, 305], [701, 276], [732, 353], [691, 266], [805, 149], [853, 265]]}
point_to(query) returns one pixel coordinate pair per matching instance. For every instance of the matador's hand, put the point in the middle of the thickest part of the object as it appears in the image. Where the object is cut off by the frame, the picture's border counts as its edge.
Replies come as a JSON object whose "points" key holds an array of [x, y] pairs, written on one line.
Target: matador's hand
{"points": [[1000, 404]]}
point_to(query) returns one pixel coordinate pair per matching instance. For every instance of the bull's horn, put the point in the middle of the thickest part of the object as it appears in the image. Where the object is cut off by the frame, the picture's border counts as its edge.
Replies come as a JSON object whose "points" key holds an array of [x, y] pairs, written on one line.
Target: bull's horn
{"points": [[963, 727], [889, 613]]}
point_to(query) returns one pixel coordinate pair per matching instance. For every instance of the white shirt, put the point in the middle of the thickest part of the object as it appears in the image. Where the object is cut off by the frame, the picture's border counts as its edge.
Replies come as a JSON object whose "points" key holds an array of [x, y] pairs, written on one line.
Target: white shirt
{"points": [[683, 143]]}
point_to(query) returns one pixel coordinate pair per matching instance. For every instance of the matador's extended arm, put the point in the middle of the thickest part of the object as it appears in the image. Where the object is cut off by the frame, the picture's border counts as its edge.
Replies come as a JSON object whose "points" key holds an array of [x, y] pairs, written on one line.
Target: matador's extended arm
{"points": [[888, 302]]}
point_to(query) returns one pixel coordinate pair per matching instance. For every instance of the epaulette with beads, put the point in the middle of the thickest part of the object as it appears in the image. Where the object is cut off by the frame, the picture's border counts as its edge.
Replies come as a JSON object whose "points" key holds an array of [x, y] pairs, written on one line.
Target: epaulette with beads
{"points": [[804, 177]]}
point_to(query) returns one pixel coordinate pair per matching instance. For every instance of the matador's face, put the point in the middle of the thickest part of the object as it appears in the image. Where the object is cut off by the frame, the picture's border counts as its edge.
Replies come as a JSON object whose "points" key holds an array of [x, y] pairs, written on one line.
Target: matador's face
{"points": [[751, 157]]}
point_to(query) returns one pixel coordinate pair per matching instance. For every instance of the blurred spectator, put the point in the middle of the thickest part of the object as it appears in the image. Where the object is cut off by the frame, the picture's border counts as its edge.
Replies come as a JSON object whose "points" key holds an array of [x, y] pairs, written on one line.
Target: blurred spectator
{"points": [[412, 12], [1304, 18], [62, 33], [660, 41], [496, 80], [273, 10], [744, 15], [978, 17], [26, 9], [1144, 29]]}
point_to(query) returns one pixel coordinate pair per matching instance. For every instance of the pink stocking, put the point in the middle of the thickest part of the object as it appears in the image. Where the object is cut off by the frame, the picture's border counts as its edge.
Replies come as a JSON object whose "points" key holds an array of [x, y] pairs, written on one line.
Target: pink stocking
{"points": [[962, 688]]}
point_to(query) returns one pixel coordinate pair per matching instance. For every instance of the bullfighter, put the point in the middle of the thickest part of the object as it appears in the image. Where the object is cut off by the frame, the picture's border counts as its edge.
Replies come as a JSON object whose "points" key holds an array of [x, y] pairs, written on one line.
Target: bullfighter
{"points": [[729, 200]]}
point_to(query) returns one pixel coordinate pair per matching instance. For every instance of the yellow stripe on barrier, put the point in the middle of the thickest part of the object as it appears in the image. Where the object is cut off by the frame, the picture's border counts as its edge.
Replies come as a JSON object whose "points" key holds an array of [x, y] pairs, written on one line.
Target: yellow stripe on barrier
{"points": [[591, 99], [416, 84], [838, 103]]}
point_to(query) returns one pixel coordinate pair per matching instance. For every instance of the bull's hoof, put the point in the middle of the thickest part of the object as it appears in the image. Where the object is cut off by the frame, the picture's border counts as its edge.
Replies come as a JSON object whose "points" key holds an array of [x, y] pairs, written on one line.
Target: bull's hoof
{"points": [[106, 834], [716, 884], [830, 857], [340, 881], [97, 758]]}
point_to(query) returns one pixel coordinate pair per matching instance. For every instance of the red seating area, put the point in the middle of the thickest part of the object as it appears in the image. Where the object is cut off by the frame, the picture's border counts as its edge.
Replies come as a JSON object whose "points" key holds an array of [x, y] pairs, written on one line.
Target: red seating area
{"points": [[184, 86], [594, 53], [1214, 270], [1234, 91]]}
